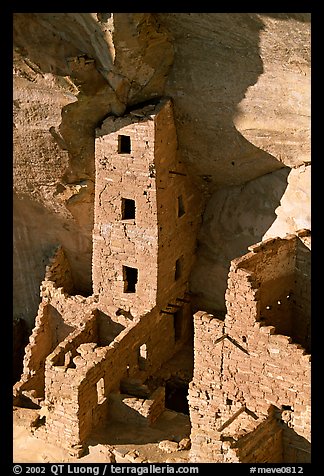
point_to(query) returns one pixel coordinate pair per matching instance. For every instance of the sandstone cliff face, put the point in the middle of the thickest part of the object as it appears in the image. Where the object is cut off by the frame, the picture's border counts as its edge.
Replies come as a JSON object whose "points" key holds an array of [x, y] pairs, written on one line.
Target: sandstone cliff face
{"points": [[274, 114], [240, 84]]}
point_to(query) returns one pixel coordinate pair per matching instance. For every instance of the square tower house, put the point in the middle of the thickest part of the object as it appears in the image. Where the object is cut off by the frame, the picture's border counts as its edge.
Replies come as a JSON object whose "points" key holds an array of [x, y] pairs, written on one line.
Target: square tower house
{"points": [[146, 212]]}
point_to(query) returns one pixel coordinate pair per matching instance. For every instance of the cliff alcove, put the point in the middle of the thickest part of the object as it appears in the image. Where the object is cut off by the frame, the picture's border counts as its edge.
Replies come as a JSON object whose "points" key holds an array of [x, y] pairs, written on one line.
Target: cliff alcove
{"points": [[184, 136]]}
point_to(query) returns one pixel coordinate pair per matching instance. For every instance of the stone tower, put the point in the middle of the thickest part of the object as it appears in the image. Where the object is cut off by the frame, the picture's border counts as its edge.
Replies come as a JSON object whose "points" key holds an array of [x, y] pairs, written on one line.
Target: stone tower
{"points": [[146, 212]]}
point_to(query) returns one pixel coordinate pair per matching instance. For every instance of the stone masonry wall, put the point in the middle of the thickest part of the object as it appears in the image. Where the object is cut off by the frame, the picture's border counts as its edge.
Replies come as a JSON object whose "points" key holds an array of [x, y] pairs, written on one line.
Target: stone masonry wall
{"points": [[243, 367], [128, 242], [203, 395], [179, 208], [302, 298], [139, 411], [49, 330], [58, 315], [55, 289], [61, 404], [159, 239]]}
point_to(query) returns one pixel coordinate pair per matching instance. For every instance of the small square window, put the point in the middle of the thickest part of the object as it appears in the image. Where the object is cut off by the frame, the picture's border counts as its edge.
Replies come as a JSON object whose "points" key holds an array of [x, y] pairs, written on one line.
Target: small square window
{"points": [[178, 269], [130, 276], [142, 357], [177, 324], [181, 209], [124, 145], [101, 391], [128, 209]]}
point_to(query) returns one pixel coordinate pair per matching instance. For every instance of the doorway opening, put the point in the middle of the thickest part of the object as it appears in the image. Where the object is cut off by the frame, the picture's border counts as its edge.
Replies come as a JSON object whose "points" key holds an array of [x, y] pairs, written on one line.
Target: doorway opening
{"points": [[176, 392], [130, 276]]}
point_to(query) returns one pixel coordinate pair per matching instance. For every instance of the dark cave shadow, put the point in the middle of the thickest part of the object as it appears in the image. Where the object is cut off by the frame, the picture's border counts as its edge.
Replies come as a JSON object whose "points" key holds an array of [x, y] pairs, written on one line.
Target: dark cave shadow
{"points": [[20, 340], [232, 43], [252, 211]]}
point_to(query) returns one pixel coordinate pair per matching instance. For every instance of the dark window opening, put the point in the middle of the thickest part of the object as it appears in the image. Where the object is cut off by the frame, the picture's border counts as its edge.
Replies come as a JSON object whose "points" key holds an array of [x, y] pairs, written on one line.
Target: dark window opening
{"points": [[124, 145], [142, 357], [286, 407], [176, 392], [177, 324], [41, 421], [130, 279], [178, 269], [85, 292], [128, 209], [181, 209]]}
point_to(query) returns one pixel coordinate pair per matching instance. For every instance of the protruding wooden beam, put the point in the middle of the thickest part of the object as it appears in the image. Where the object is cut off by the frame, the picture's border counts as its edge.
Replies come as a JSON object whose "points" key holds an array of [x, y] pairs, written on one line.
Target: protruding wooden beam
{"points": [[177, 173], [182, 300], [174, 305]]}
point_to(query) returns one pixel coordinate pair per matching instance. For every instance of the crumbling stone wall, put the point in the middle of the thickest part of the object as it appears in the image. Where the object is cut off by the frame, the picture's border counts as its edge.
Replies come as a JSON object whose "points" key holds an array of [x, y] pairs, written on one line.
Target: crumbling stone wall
{"points": [[56, 287], [61, 406], [243, 367], [49, 330], [284, 292], [80, 374], [58, 272], [58, 315]]}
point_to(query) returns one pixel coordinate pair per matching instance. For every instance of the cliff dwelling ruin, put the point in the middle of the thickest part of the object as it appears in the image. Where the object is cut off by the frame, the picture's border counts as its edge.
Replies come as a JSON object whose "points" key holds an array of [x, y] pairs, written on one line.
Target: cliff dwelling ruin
{"points": [[133, 357]]}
